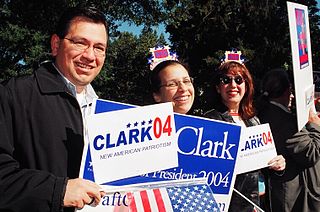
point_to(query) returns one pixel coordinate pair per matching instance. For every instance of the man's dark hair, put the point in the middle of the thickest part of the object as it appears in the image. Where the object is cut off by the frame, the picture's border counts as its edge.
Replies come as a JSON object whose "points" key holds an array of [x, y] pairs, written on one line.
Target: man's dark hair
{"points": [[275, 83], [86, 13]]}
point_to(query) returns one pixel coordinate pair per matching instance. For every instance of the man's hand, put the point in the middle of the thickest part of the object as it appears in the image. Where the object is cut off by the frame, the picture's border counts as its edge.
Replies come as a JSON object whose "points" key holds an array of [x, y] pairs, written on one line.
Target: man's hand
{"points": [[278, 163], [80, 192], [313, 118]]}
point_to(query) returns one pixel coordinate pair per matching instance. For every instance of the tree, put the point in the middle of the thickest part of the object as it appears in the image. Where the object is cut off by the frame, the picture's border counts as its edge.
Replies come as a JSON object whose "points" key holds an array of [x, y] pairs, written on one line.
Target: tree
{"points": [[314, 22], [126, 75], [202, 30], [26, 27], [25, 33]]}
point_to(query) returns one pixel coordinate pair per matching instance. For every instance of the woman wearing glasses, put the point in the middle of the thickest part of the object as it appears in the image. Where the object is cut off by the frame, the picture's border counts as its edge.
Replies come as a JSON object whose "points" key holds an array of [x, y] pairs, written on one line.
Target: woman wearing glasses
{"points": [[233, 93], [170, 82]]}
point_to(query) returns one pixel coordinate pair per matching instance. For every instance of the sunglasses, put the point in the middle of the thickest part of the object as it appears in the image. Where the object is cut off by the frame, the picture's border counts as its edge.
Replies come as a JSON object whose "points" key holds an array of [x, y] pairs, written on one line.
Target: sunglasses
{"points": [[228, 79]]}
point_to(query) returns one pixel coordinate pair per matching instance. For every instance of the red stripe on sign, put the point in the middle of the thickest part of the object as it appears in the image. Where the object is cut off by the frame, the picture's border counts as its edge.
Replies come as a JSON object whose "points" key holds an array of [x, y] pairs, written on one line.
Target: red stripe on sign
{"points": [[145, 200], [159, 200], [132, 206]]}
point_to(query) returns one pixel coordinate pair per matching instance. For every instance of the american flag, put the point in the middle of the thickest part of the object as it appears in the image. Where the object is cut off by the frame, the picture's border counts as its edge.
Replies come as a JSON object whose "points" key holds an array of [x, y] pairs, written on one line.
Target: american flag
{"points": [[173, 199]]}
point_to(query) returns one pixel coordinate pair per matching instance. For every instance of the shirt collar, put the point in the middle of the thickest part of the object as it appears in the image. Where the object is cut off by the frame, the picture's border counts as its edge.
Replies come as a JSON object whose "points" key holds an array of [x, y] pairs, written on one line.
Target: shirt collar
{"points": [[89, 95]]}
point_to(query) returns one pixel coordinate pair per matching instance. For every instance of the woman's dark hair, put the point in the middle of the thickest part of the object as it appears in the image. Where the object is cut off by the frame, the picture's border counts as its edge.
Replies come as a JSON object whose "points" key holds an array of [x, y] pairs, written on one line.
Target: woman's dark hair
{"points": [[246, 109], [155, 81], [90, 14]]}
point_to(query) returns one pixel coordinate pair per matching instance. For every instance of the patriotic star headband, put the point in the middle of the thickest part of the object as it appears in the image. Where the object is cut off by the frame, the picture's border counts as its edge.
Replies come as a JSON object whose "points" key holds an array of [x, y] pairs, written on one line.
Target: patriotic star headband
{"points": [[233, 55], [160, 54]]}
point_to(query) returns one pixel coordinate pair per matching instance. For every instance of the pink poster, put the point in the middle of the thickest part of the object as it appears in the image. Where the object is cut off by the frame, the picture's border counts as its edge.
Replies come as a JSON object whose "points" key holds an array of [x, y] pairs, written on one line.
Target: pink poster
{"points": [[302, 38]]}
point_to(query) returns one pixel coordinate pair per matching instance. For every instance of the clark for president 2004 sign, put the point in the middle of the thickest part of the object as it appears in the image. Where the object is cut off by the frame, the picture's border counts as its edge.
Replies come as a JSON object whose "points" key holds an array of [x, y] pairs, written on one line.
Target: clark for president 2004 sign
{"points": [[206, 148]]}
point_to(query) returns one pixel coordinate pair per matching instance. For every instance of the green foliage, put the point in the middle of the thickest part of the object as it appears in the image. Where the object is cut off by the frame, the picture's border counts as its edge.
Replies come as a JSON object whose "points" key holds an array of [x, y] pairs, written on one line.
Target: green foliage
{"points": [[20, 49], [126, 75], [202, 30], [26, 26]]}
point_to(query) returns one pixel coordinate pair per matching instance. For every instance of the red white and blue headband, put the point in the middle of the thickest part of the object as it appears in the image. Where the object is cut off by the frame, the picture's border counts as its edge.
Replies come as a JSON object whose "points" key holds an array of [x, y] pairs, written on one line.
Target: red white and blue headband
{"points": [[160, 54], [233, 55]]}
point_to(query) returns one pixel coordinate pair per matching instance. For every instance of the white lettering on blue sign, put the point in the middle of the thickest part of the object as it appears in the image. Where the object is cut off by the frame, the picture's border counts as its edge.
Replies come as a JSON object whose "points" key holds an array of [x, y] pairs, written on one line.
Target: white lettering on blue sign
{"points": [[208, 148]]}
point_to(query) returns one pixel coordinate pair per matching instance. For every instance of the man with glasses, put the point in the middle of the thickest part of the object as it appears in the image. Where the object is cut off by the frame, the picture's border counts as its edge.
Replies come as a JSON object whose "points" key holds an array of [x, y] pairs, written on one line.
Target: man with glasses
{"points": [[39, 168]]}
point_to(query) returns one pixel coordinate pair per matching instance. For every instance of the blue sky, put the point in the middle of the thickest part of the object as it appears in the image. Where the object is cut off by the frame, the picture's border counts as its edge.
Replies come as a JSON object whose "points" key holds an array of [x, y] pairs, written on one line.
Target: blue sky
{"points": [[137, 29]]}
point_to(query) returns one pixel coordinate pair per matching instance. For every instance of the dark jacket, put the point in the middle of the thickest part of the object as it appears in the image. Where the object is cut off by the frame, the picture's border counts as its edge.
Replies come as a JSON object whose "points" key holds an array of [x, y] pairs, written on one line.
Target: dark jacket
{"points": [[298, 188], [246, 183], [47, 143]]}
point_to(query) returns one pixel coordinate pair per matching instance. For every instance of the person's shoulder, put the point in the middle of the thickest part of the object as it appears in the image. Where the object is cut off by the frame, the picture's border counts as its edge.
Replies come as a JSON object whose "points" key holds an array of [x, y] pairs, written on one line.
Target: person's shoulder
{"points": [[28, 80], [254, 121], [271, 111], [19, 82], [3, 92], [23, 84], [213, 114]]}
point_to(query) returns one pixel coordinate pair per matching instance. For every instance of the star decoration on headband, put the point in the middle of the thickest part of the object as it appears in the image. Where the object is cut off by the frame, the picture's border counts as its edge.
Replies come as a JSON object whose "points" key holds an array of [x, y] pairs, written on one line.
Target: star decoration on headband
{"points": [[233, 55], [160, 54]]}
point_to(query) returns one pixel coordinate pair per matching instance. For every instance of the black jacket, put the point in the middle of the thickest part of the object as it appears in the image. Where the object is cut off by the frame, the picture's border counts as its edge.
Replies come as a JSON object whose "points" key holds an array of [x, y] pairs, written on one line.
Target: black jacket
{"points": [[47, 143], [246, 183], [298, 188]]}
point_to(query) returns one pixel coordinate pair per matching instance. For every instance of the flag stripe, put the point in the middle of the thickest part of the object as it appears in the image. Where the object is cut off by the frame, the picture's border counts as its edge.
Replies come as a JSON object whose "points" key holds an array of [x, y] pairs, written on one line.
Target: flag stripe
{"points": [[138, 201], [180, 198], [132, 204], [145, 200], [166, 200], [159, 200], [152, 200]]}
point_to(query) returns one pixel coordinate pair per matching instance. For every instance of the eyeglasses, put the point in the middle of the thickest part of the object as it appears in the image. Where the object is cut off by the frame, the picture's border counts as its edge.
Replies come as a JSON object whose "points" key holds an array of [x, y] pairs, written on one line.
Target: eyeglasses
{"points": [[82, 45], [175, 83], [228, 79]]}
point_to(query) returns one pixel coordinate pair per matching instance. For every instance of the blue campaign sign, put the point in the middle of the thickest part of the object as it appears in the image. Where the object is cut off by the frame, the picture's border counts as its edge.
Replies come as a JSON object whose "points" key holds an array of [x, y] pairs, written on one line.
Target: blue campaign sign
{"points": [[207, 148]]}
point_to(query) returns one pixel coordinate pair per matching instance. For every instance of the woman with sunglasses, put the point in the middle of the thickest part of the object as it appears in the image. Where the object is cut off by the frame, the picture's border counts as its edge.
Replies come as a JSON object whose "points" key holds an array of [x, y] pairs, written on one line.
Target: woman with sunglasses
{"points": [[233, 96], [171, 82]]}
